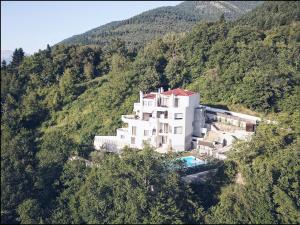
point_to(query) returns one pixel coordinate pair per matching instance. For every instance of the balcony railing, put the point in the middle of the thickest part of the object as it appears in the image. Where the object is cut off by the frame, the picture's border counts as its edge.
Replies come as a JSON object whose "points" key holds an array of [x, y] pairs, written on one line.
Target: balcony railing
{"points": [[129, 117], [108, 143]]}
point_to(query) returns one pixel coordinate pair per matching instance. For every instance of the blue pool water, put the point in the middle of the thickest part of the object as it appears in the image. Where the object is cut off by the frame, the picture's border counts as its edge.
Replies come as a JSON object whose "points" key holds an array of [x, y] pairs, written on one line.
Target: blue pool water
{"points": [[191, 161]]}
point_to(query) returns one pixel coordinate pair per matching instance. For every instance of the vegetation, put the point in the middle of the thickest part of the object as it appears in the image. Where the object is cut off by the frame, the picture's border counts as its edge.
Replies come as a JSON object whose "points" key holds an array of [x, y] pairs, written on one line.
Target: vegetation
{"points": [[270, 193], [142, 28], [54, 102]]}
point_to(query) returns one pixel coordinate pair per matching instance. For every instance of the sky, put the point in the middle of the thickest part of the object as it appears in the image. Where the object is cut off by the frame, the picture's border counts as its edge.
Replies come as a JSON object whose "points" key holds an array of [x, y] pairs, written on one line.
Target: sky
{"points": [[32, 25]]}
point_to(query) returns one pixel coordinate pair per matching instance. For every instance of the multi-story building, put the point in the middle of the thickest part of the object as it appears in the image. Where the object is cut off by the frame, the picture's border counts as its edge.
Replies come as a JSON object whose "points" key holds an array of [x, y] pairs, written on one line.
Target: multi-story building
{"points": [[171, 120]]}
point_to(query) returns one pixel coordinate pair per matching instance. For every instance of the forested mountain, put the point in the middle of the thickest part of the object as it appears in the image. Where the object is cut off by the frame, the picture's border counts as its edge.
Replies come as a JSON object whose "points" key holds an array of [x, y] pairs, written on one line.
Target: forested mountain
{"points": [[142, 28], [54, 102], [272, 15]]}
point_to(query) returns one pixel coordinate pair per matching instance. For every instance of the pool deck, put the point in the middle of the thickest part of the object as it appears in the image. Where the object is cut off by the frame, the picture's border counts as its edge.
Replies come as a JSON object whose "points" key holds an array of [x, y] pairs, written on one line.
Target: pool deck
{"points": [[194, 153]]}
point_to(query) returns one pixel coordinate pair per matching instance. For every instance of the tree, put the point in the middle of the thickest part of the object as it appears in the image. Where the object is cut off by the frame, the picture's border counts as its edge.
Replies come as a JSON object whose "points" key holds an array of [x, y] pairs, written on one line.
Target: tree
{"points": [[117, 46], [17, 170], [67, 85], [29, 212], [269, 166], [17, 57], [48, 51], [176, 73], [89, 70], [150, 81], [3, 64], [55, 149], [138, 187], [222, 18], [72, 178]]}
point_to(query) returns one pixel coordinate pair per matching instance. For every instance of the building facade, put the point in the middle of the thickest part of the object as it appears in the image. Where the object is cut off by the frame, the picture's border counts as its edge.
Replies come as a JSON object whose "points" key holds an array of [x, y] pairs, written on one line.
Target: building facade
{"points": [[168, 121]]}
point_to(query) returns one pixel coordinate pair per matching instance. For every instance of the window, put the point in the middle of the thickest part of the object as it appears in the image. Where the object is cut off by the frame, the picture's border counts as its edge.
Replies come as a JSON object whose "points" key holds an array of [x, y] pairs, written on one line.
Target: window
{"points": [[146, 132], [132, 140], [177, 130], [146, 116], [149, 103], [176, 102], [164, 102], [133, 131], [178, 116], [122, 136], [164, 140], [164, 128]]}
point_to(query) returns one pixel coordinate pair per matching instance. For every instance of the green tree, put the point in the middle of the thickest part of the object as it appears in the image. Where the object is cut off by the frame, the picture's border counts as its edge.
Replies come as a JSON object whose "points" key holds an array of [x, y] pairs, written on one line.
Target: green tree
{"points": [[176, 74], [3, 64], [150, 80], [89, 70], [17, 57], [140, 189], [67, 85], [17, 170], [29, 212]]}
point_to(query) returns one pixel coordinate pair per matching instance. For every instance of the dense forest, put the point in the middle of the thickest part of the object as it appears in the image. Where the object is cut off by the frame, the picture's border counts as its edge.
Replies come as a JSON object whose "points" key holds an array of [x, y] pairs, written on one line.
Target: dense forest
{"points": [[142, 28], [54, 102]]}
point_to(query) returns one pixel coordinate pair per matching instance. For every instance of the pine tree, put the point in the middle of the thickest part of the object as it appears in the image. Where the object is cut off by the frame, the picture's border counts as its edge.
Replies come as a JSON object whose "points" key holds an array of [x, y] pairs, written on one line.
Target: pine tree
{"points": [[3, 64], [222, 18], [17, 57]]}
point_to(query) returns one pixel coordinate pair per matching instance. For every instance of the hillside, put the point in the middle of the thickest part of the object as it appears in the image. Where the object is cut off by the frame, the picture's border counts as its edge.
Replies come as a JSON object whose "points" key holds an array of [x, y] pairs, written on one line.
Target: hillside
{"points": [[55, 101], [271, 15], [142, 28]]}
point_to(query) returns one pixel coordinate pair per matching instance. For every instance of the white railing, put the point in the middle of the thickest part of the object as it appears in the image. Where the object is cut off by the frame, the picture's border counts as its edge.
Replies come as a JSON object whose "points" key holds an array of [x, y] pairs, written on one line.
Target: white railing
{"points": [[127, 118], [122, 130], [130, 117], [241, 115], [109, 143]]}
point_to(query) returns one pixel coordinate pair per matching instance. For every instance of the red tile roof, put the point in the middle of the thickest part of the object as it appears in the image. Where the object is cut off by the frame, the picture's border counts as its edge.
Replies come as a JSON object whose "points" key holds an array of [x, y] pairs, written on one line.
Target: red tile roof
{"points": [[179, 92], [151, 96]]}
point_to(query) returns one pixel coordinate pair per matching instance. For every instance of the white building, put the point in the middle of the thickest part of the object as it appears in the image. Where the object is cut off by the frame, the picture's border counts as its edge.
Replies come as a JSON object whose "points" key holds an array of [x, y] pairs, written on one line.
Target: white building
{"points": [[169, 121]]}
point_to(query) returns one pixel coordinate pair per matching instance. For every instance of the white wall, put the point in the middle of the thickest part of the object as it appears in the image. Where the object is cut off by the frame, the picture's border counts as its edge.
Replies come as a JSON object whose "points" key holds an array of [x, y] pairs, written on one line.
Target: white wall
{"points": [[241, 115]]}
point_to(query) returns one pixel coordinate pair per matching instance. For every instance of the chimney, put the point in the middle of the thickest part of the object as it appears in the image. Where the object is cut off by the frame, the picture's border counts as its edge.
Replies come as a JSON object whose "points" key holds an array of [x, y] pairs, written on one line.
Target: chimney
{"points": [[161, 89], [172, 103], [141, 97]]}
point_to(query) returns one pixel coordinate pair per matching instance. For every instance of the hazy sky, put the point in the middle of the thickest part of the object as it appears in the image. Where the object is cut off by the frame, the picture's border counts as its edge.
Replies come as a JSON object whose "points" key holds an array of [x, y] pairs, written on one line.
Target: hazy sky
{"points": [[32, 25]]}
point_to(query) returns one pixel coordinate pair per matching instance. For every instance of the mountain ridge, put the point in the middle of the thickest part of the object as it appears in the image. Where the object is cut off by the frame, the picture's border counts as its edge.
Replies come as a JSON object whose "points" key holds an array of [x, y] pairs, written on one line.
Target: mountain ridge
{"points": [[141, 28]]}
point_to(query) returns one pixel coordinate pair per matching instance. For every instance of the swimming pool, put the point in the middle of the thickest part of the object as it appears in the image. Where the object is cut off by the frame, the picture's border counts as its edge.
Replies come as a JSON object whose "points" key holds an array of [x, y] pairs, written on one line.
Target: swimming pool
{"points": [[191, 161]]}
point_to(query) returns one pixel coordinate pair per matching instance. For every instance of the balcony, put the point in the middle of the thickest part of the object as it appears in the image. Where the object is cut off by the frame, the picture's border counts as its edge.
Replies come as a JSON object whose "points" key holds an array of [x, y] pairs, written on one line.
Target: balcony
{"points": [[126, 118], [163, 105], [109, 143], [123, 130], [144, 107], [134, 120], [163, 132], [163, 118]]}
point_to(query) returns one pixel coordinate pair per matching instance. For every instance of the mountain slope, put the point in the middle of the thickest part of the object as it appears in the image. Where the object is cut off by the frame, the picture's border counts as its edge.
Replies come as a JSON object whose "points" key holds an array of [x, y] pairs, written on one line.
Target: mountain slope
{"points": [[55, 102], [154, 23], [272, 14]]}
